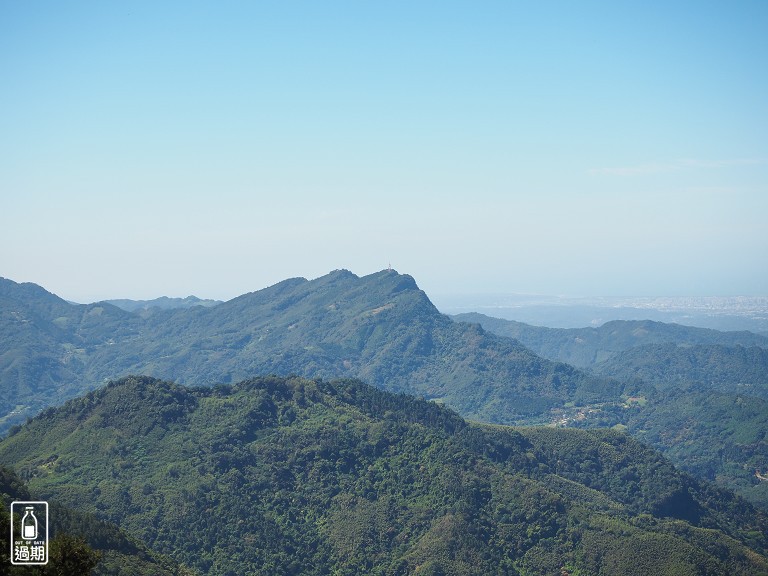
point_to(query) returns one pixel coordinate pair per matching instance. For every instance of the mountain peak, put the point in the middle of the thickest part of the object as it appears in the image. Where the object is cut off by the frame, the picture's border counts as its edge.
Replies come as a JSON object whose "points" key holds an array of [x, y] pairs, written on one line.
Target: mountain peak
{"points": [[380, 327], [26, 290], [387, 277], [405, 280], [340, 274]]}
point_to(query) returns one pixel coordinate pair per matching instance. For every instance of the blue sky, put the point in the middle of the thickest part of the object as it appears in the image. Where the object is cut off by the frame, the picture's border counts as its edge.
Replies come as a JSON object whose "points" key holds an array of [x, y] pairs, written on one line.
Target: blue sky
{"points": [[215, 148]]}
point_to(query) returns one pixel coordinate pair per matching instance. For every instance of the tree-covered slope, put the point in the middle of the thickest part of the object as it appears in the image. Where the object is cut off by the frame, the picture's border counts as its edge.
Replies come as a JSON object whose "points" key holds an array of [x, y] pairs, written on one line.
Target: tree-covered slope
{"points": [[700, 395], [380, 328], [80, 543], [290, 476], [45, 345], [709, 413], [585, 347], [734, 369], [713, 435]]}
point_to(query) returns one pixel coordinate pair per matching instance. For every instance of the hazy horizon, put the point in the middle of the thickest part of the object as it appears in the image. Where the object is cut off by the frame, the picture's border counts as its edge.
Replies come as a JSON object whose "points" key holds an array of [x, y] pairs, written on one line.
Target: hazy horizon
{"points": [[530, 298], [176, 148], [562, 311]]}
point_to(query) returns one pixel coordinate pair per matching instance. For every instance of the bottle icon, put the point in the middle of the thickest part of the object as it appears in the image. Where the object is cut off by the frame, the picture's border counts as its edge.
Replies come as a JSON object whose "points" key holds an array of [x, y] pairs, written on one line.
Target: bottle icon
{"points": [[29, 524]]}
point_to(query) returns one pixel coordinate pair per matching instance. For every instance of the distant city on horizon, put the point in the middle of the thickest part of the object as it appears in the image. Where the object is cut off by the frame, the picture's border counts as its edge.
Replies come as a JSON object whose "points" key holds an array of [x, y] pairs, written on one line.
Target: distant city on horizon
{"points": [[717, 312]]}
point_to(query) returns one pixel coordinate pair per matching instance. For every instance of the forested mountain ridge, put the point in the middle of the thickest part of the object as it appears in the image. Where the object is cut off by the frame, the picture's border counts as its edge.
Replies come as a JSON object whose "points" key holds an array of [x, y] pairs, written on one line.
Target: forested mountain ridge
{"points": [[286, 476], [380, 328], [43, 342], [733, 369], [585, 347], [162, 303], [383, 329]]}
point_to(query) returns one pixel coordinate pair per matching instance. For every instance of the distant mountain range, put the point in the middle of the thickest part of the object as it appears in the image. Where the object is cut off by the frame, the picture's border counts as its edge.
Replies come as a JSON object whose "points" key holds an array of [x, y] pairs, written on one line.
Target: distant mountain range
{"points": [[705, 399], [380, 328], [720, 313], [384, 330], [283, 476], [586, 347], [162, 303]]}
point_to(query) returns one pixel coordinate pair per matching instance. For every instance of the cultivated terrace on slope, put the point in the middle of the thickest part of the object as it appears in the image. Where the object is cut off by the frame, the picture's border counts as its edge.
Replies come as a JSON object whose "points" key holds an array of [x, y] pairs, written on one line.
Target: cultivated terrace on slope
{"points": [[281, 476]]}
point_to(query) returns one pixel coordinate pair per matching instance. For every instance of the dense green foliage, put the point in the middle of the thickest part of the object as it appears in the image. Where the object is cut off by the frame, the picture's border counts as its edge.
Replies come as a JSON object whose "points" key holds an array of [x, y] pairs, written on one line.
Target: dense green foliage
{"points": [[380, 328], [716, 436], [291, 476], [44, 345], [697, 395], [709, 412], [80, 543], [730, 369]]}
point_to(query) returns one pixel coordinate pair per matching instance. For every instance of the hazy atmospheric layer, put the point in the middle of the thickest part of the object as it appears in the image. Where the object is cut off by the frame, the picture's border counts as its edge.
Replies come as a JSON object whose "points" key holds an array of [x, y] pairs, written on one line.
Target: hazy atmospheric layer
{"points": [[597, 148]]}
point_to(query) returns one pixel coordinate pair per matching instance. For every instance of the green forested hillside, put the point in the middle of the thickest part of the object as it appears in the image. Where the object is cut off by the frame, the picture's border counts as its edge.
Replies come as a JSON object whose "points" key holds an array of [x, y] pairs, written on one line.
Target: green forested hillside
{"points": [[700, 394], [709, 412], [380, 328], [731, 369], [291, 476], [717, 436], [45, 344], [80, 543]]}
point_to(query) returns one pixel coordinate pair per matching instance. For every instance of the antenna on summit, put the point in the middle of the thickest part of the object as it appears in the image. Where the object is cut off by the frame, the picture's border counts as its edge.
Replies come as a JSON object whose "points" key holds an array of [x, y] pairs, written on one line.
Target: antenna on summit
{"points": [[389, 269]]}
